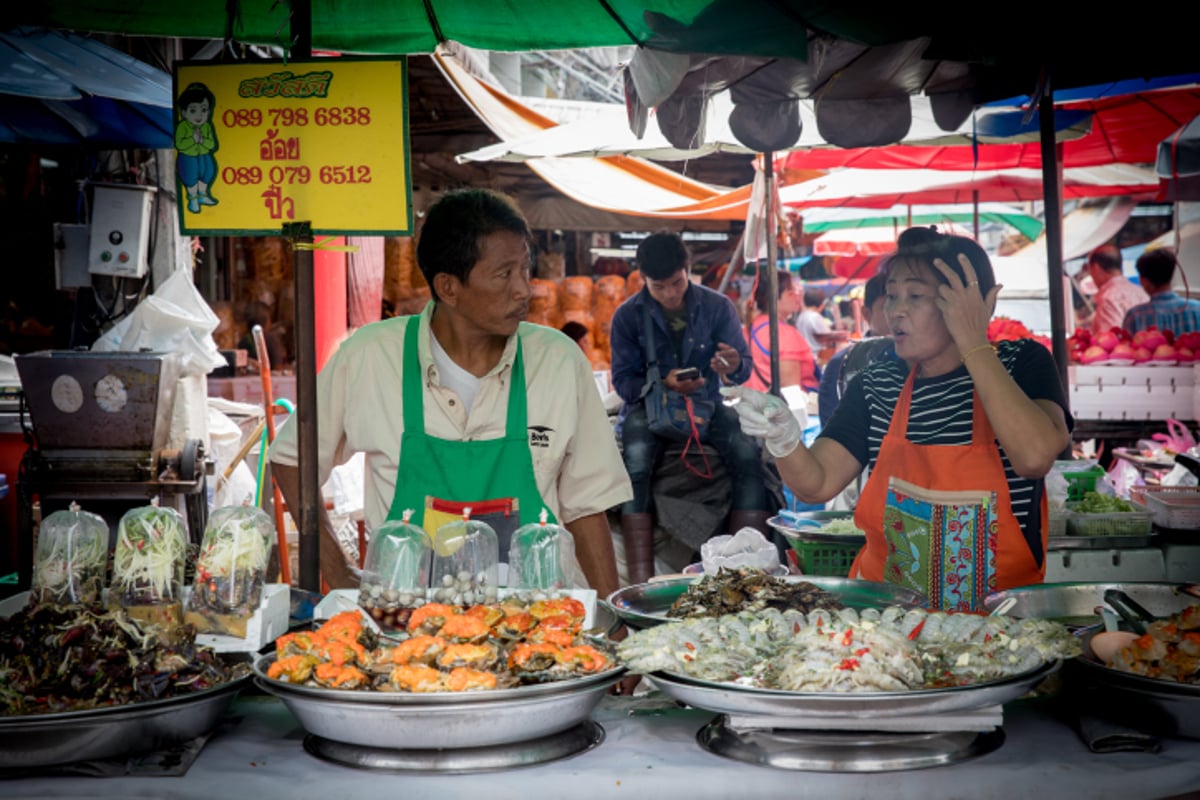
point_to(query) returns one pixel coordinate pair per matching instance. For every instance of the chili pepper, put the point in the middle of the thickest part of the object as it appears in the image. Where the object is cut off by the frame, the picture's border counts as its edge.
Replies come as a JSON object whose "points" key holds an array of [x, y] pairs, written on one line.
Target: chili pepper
{"points": [[848, 664], [848, 637], [912, 637], [1145, 641]]}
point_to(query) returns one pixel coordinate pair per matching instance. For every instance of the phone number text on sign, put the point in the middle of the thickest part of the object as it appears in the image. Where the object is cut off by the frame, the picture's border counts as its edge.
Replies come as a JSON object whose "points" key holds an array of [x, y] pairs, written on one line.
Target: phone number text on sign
{"points": [[335, 175], [325, 141], [295, 117]]}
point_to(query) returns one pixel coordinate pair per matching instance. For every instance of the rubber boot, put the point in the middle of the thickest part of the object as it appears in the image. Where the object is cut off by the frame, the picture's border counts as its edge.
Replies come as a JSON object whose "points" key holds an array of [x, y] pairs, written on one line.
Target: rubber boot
{"points": [[637, 530], [750, 519]]}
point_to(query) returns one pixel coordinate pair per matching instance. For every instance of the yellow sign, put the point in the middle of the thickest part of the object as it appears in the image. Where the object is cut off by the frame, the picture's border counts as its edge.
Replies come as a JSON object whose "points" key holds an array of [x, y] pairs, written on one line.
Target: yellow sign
{"points": [[262, 144]]}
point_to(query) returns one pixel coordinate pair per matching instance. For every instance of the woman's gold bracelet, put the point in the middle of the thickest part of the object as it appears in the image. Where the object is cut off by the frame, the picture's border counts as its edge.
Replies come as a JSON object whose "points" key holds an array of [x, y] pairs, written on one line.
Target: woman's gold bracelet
{"points": [[976, 349]]}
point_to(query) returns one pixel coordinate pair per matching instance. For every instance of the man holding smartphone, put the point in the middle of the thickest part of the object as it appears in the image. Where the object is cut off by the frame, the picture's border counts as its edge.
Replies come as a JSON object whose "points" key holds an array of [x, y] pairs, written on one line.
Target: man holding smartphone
{"points": [[699, 346]]}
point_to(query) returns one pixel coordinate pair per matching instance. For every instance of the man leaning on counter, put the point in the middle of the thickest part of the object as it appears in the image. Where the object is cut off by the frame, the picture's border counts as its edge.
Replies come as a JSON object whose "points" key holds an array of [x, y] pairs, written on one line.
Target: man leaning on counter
{"points": [[467, 402]]}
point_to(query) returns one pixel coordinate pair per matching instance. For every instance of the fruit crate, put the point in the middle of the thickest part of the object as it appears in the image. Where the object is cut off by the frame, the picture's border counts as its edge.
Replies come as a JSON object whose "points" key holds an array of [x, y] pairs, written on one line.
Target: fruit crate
{"points": [[1176, 507], [1115, 523]]}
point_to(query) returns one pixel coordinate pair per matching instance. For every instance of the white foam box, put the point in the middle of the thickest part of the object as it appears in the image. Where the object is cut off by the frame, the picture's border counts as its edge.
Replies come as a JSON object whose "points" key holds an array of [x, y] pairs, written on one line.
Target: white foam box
{"points": [[1134, 393], [340, 600], [267, 623]]}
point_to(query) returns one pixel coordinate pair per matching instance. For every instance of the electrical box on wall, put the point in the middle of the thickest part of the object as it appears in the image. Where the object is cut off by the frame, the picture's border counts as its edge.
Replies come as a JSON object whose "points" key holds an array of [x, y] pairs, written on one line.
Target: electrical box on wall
{"points": [[120, 232], [70, 256]]}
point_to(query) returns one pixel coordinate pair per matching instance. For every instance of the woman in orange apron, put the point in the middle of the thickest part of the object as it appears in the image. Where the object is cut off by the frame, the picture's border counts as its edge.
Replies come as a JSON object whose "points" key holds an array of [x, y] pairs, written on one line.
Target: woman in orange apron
{"points": [[958, 435]]}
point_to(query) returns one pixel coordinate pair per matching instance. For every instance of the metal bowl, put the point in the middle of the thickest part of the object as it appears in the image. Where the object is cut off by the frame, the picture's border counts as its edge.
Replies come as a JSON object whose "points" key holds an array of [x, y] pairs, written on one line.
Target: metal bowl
{"points": [[1168, 708], [646, 604], [732, 699], [1074, 604], [424, 699], [417, 722], [43, 740]]}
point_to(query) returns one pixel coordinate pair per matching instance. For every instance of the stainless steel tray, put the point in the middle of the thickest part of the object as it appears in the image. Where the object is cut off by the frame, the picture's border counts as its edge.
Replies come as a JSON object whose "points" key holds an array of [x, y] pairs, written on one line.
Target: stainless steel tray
{"points": [[729, 699], [645, 605], [1074, 603], [43, 740], [403, 724], [425, 699], [794, 530]]}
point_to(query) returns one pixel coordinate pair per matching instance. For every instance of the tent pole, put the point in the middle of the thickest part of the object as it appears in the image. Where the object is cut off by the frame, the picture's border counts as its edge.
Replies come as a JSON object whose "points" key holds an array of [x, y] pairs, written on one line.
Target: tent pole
{"points": [[975, 212], [772, 268], [1052, 193], [307, 517]]}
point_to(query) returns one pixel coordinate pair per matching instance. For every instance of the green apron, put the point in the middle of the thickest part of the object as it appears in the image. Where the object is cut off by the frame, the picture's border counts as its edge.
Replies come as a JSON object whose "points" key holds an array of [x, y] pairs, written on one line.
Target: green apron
{"points": [[437, 478]]}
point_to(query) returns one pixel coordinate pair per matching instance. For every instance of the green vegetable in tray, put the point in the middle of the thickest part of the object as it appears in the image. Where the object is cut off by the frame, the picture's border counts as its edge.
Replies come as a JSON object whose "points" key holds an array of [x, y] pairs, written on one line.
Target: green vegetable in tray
{"points": [[841, 527], [1096, 503]]}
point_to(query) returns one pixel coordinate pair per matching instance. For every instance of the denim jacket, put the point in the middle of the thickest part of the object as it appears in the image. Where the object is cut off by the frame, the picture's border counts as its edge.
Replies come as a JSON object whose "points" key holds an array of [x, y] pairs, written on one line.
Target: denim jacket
{"points": [[712, 318]]}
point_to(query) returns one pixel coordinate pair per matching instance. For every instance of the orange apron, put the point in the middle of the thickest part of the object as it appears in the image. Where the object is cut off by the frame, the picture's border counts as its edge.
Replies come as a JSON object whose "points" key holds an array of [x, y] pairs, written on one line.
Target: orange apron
{"points": [[945, 528]]}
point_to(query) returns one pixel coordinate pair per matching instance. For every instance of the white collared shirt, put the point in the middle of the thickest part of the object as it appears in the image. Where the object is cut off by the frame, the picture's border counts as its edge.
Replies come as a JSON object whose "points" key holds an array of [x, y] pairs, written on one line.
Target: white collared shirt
{"points": [[578, 468]]}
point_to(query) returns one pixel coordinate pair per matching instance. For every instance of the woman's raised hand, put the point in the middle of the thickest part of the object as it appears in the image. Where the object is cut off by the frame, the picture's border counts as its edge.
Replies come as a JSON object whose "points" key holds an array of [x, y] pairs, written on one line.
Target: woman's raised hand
{"points": [[767, 417], [965, 310]]}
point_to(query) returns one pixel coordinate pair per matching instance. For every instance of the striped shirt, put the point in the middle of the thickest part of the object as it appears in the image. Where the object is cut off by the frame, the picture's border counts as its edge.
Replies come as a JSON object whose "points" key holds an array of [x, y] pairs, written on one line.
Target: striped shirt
{"points": [[942, 412], [1166, 311]]}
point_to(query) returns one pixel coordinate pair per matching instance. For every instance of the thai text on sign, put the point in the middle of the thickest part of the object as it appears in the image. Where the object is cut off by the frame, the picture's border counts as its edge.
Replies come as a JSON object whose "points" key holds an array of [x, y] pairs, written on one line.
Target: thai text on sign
{"points": [[262, 144]]}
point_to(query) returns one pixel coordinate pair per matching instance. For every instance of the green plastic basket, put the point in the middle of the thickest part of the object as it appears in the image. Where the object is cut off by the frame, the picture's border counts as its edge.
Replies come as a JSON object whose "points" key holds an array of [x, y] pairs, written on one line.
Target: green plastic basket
{"points": [[825, 558]]}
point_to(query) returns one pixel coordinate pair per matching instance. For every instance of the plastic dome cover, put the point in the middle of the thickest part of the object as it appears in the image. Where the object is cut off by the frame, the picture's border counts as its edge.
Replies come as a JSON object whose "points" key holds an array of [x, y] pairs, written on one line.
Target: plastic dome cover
{"points": [[466, 562], [149, 561], [396, 571], [230, 570], [541, 556], [71, 560]]}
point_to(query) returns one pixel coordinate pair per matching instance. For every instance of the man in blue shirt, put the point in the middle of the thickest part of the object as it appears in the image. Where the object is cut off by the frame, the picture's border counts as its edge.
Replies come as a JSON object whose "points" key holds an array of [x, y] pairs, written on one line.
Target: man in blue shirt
{"points": [[1166, 310], [693, 327]]}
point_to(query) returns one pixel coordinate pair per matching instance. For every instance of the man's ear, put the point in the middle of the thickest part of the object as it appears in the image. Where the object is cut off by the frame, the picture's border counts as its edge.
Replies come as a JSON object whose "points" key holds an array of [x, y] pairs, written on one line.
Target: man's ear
{"points": [[448, 288]]}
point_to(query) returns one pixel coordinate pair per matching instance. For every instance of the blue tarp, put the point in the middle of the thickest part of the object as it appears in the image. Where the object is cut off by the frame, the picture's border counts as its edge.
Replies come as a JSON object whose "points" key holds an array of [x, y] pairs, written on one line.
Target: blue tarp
{"points": [[62, 89]]}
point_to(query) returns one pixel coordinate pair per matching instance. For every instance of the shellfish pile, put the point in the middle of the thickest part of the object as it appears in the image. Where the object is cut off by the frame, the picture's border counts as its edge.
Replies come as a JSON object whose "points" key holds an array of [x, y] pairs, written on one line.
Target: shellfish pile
{"points": [[449, 649], [848, 650], [744, 589]]}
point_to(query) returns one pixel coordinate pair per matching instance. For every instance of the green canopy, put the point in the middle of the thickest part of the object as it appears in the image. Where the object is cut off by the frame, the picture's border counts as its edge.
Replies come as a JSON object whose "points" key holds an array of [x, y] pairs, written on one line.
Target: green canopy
{"points": [[997, 59]]}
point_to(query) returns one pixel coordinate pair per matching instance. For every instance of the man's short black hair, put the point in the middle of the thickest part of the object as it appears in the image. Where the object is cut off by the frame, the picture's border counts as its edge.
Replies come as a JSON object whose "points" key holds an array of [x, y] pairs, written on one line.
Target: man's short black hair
{"points": [[875, 288], [660, 255], [1107, 257], [1157, 267], [576, 330], [814, 296], [454, 227]]}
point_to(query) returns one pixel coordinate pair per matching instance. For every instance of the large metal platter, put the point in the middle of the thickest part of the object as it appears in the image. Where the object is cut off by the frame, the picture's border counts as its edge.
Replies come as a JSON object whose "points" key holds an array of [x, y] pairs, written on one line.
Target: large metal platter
{"points": [[1161, 706], [730, 699], [43, 740], [1074, 603], [645, 605], [425, 699], [1101, 542], [469, 722]]}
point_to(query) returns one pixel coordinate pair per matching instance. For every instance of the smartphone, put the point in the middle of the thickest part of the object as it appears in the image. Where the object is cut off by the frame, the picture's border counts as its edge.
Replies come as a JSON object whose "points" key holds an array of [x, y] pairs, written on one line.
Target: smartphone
{"points": [[687, 374]]}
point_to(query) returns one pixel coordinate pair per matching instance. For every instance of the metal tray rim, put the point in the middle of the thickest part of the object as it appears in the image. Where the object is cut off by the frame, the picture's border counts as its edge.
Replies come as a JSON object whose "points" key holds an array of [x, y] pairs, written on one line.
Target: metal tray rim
{"points": [[516, 694]]}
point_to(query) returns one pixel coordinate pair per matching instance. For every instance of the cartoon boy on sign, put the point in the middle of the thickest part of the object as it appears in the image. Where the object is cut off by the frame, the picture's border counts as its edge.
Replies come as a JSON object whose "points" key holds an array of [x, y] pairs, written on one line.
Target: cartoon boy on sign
{"points": [[196, 141]]}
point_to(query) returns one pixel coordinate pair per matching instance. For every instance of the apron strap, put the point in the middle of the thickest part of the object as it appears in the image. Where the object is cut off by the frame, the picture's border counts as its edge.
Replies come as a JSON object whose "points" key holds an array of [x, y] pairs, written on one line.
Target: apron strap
{"points": [[413, 381], [518, 416]]}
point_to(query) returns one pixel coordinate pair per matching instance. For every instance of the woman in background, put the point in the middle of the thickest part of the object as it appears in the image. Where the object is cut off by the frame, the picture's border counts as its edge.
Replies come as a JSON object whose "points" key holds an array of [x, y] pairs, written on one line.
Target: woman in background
{"points": [[797, 364]]}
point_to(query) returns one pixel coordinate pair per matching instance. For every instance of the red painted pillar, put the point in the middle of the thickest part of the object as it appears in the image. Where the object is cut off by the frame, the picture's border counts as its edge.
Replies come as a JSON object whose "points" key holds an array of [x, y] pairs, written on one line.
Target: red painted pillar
{"points": [[329, 299]]}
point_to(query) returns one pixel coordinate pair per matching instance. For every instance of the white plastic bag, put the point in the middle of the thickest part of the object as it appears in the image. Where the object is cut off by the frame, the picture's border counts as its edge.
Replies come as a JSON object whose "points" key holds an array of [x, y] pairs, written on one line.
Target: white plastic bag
{"points": [[746, 548], [175, 319]]}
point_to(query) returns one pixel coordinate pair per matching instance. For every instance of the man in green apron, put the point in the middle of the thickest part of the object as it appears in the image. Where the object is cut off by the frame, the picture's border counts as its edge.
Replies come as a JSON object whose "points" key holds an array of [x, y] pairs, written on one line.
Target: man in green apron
{"points": [[467, 405]]}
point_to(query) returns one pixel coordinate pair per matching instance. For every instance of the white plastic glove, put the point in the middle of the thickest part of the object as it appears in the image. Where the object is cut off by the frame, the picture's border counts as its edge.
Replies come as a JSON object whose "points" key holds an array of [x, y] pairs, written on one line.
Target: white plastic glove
{"points": [[765, 417]]}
